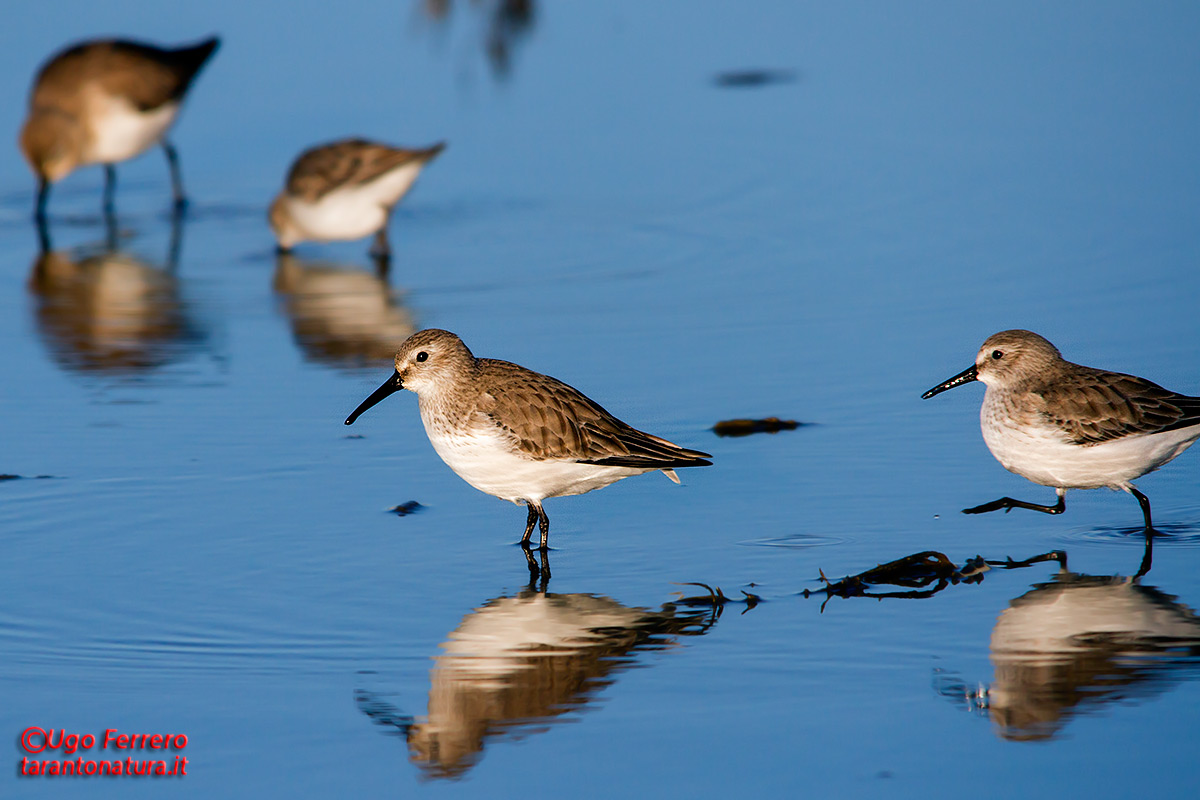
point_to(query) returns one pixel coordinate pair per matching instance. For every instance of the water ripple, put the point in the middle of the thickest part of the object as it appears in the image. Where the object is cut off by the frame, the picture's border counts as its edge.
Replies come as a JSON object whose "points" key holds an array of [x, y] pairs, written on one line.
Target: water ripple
{"points": [[1171, 535], [797, 540]]}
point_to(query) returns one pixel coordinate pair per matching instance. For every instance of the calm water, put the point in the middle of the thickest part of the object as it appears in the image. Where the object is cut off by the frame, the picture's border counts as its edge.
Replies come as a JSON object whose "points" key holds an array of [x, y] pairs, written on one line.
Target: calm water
{"points": [[622, 207]]}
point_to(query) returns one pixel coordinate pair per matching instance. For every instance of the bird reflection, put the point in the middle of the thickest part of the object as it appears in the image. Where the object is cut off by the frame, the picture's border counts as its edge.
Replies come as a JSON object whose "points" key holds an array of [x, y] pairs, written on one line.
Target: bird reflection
{"points": [[342, 316], [519, 663], [1078, 642], [108, 310], [508, 22]]}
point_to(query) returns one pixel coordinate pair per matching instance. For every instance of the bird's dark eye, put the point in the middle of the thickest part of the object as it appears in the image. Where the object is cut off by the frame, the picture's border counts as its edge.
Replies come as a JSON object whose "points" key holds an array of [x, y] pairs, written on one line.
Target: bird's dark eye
{"points": [[421, 356], [996, 355]]}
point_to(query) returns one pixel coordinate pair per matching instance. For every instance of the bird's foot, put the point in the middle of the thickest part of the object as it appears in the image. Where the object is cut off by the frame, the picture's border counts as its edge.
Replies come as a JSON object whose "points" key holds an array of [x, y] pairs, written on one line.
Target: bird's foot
{"points": [[1008, 504]]}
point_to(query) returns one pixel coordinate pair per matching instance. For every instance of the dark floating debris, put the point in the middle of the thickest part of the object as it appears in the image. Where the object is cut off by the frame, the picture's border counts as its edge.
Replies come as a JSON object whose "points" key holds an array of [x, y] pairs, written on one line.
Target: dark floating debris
{"points": [[745, 427], [404, 509], [7, 477], [922, 574], [753, 78]]}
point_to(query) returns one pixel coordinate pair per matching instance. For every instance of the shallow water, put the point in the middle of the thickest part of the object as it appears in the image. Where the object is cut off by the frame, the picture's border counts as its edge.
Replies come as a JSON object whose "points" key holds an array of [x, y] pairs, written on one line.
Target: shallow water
{"points": [[212, 553]]}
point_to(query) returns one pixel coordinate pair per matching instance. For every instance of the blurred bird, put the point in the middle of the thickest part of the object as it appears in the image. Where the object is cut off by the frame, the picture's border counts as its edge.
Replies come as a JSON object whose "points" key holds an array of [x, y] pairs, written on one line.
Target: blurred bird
{"points": [[346, 190], [105, 101]]}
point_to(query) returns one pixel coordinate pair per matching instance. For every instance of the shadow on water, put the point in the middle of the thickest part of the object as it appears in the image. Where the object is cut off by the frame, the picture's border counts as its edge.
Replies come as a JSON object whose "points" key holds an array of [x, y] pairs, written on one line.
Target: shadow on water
{"points": [[106, 310], [519, 663], [341, 315], [1079, 642]]}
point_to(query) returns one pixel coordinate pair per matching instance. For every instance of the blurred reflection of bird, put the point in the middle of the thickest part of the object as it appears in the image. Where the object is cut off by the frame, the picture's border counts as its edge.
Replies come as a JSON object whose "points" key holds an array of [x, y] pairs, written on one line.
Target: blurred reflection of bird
{"points": [[341, 316], [110, 311], [106, 101], [1080, 642], [518, 663], [508, 22]]}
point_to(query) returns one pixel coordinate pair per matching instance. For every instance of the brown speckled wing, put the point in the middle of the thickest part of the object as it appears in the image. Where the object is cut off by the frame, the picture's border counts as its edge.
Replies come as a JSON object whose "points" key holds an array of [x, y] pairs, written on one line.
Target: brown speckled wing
{"points": [[350, 162], [151, 76], [146, 76], [547, 419], [1092, 407]]}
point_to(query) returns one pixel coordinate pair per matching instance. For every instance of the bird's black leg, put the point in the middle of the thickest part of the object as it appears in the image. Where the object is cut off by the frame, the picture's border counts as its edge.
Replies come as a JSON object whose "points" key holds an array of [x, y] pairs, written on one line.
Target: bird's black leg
{"points": [[176, 244], [534, 570], [538, 515], [1007, 503], [1144, 502], [39, 217], [39, 206], [381, 248], [176, 177], [539, 576], [383, 266], [110, 232], [529, 523], [110, 192], [1147, 554], [544, 527]]}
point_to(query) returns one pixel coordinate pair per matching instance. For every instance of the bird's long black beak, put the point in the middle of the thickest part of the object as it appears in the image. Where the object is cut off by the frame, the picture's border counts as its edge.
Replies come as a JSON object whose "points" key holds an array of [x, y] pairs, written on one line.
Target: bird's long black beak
{"points": [[390, 387], [966, 376]]}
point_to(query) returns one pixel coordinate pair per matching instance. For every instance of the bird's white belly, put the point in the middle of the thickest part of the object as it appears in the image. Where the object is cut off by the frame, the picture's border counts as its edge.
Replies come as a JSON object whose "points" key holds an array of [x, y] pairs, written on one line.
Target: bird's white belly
{"points": [[388, 188], [120, 131], [1042, 455], [341, 214], [490, 466]]}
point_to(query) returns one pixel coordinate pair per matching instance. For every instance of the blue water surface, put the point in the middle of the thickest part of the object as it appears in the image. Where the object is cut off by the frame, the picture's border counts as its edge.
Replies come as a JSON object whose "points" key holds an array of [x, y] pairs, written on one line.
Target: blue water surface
{"points": [[691, 211]]}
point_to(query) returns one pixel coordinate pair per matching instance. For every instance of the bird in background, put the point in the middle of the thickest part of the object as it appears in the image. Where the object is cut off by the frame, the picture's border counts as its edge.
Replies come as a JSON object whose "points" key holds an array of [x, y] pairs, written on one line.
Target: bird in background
{"points": [[107, 101], [1069, 426], [346, 190], [517, 434]]}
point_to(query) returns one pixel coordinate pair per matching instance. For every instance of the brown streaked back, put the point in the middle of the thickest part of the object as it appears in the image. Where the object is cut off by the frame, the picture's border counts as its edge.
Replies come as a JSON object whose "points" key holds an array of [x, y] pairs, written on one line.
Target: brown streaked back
{"points": [[1094, 406], [349, 162], [547, 419], [146, 75]]}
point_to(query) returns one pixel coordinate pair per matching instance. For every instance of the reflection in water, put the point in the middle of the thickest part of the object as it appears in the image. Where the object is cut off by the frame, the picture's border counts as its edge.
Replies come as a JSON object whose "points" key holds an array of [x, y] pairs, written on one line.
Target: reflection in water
{"points": [[342, 315], [518, 663], [110, 311], [1078, 642], [920, 576], [508, 22]]}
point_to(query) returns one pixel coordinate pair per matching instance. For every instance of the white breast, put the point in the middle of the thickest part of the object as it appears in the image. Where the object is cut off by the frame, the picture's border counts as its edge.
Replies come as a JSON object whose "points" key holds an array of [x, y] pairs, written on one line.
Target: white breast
{"points": [[1041, 452], [120, 131], [352, 212], [489, 463]]}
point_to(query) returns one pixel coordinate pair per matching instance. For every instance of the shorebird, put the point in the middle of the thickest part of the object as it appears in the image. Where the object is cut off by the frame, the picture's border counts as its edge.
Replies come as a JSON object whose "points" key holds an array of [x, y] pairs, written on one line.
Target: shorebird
{"points": [[105, 101], [1072, 427], [346, 190], [517, 434]]}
